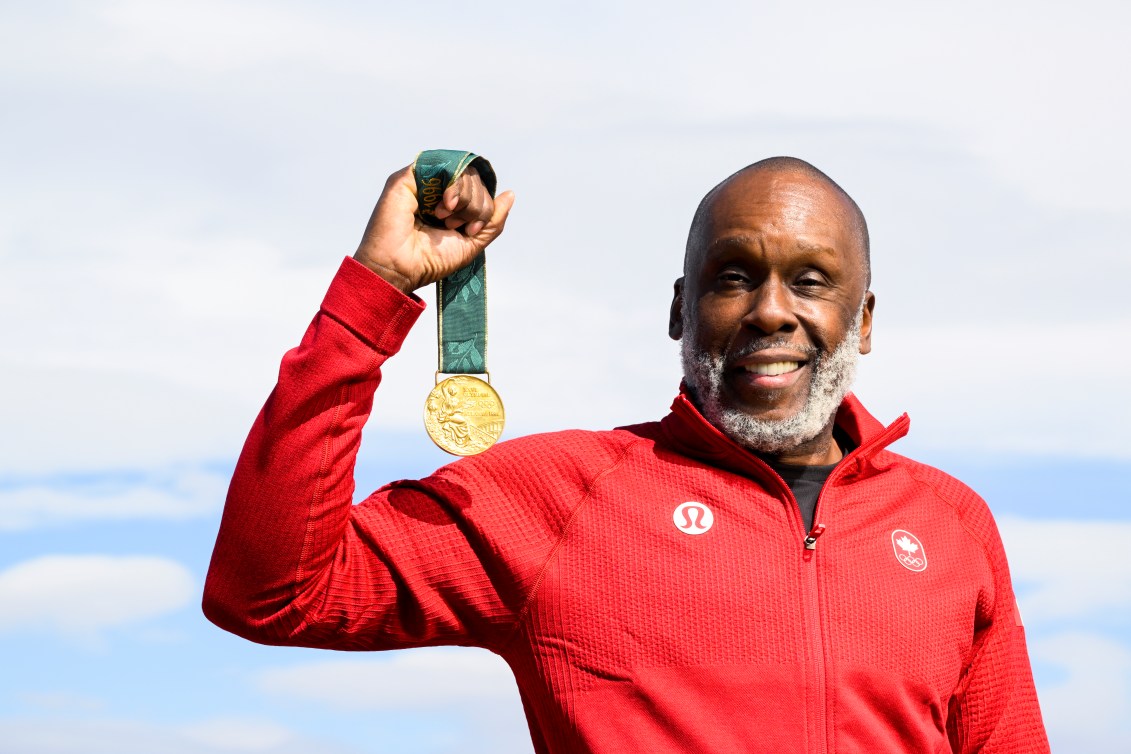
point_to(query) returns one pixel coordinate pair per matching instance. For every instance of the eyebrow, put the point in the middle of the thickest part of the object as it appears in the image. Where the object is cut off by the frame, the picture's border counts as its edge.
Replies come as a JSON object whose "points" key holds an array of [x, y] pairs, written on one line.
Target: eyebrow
{"points": [[747, 241]]}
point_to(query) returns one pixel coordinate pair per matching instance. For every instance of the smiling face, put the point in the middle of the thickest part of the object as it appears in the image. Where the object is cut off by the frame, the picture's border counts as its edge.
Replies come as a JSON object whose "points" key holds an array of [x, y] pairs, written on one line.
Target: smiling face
{"points": [[773, 310]]}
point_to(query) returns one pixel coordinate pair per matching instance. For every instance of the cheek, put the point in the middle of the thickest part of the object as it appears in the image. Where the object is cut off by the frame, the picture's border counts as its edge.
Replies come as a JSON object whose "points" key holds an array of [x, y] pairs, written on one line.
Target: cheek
{"points": [[713, 327], [828, 326]]}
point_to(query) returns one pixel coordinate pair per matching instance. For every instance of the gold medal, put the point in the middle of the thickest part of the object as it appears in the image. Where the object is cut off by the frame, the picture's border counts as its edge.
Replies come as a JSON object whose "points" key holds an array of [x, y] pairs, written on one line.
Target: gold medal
{"points": [[464, 415]]}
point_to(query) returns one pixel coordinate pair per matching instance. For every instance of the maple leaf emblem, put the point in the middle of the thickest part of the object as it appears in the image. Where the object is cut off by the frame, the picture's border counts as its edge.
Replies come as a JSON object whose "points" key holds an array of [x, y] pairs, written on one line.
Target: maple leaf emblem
{"points": [[907, 544]]}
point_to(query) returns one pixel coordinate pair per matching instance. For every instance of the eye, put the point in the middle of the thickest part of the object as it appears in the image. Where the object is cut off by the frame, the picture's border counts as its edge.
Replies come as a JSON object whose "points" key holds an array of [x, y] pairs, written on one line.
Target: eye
{"points": [[732, 277], [811, 279]]}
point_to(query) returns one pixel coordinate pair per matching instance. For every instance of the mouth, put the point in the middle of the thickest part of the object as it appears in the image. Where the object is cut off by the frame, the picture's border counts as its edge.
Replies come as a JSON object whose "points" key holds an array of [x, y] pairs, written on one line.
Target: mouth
{"points": [[772, 369], [762, 372]]}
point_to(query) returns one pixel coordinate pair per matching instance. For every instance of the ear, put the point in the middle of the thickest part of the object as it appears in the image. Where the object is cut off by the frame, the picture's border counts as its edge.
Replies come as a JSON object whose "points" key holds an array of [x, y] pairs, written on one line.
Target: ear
{"points": [[866, 323], [675, 317]]}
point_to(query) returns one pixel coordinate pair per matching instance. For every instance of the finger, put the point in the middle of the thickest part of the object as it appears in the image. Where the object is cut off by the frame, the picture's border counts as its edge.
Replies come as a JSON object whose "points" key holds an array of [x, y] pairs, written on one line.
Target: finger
{"points": [[462, 248], [469, 186], [479, 210], [457, 195], [395, 208], [468, 199], [489, 231], [399, 186], [448, 202]]}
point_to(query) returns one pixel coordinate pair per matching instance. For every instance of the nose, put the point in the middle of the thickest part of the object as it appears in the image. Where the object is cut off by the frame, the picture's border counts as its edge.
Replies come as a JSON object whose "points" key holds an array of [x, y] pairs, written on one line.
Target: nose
{"points": [[771, 309]]}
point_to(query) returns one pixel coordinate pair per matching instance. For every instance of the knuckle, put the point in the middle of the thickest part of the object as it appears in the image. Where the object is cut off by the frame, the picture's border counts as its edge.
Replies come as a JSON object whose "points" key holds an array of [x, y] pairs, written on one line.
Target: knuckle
{"points": [[399, 176]]}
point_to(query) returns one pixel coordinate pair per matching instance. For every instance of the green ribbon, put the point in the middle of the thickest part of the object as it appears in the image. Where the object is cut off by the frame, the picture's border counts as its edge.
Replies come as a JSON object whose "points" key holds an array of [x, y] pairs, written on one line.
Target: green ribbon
{"points": [[461, 298]]}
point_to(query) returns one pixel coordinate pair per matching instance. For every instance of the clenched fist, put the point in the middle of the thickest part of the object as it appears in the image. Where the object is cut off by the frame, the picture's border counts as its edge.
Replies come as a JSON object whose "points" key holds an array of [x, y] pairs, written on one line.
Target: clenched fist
{"points": [[409, 254]]}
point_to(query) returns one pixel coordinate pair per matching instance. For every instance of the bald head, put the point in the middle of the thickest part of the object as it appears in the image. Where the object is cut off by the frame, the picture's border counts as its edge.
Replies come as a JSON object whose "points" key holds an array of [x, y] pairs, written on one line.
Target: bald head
{"points": [[773, 308], [784, 168]]}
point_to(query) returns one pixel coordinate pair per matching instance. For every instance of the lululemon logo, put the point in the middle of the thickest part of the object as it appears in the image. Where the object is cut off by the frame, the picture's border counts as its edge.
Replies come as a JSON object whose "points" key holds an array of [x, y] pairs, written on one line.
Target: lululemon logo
{"points": [[693, 518], [909, 550]]}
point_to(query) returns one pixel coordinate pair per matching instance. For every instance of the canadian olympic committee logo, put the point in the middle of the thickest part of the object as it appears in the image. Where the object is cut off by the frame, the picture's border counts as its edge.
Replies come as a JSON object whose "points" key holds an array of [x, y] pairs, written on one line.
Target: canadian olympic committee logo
{"points": [[909, 550], [693, 518]]}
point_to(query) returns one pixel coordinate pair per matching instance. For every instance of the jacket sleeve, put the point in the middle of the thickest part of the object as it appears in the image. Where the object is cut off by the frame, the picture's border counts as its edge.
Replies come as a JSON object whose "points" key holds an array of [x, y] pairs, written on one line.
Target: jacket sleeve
{"points": [[295, 561], [995, 709]]}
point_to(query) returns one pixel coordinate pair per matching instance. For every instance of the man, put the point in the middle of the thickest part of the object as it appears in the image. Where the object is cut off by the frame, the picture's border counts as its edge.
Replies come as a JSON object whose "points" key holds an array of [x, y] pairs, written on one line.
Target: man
{"points": [[756, 572]]}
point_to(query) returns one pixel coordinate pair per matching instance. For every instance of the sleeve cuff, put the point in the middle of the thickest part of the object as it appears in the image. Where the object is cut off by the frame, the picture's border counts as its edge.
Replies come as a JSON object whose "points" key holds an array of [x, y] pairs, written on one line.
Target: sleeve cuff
{"points": [[370, 307]]}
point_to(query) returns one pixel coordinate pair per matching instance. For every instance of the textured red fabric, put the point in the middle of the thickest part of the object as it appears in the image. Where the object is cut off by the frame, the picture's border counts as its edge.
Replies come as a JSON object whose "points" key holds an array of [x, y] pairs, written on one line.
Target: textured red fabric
{"points": [[559, 552]]}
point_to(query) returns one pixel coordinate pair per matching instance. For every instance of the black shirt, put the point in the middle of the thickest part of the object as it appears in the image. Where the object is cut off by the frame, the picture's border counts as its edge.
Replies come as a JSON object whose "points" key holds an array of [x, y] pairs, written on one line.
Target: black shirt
{"points": [[806, 483]]}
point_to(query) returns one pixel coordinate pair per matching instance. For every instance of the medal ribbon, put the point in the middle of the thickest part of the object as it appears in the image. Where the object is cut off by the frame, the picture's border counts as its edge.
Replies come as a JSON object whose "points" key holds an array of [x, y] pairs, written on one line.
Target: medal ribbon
{"points": [[461, 298]]}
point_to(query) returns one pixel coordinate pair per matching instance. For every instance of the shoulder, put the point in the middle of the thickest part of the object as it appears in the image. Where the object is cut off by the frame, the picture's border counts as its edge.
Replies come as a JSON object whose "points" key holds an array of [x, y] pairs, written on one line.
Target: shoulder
{"points": [[965, 502], [539, 480], [947, 488], [575, 449], [968, 508], [570, 455]]}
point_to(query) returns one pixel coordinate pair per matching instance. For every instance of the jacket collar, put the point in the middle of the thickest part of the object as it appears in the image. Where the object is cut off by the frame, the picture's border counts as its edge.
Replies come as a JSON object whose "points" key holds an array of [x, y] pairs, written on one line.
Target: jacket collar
{"points": [[691, 434]]}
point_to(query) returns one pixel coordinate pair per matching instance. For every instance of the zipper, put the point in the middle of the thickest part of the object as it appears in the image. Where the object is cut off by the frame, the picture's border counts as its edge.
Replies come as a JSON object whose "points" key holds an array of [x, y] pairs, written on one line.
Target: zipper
{"points": [[811, 603], [811, 610], [817, 640], [816, 531], [813, 600]]}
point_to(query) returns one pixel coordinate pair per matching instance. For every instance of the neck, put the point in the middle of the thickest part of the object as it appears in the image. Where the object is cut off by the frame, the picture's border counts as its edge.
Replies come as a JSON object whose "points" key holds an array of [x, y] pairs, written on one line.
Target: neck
{"points": [[822, 450]]}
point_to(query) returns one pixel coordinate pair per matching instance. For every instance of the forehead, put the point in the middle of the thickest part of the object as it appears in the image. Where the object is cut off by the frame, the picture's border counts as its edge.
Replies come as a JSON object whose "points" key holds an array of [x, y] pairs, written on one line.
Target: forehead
{"points": [[786, 211]]}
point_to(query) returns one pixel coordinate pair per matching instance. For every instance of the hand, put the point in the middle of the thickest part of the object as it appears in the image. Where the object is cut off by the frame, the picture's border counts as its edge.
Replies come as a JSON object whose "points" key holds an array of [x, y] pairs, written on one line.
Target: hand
{"points": [[409, 254]]}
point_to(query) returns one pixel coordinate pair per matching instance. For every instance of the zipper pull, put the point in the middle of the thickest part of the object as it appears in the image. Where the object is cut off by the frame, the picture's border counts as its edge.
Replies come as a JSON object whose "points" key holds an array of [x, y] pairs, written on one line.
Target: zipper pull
{"points": [[811, 540]]}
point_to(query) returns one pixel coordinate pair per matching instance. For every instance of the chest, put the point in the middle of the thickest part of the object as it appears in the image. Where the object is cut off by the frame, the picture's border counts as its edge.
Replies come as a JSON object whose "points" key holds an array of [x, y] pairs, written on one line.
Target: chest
{"points": [[711, 569]]}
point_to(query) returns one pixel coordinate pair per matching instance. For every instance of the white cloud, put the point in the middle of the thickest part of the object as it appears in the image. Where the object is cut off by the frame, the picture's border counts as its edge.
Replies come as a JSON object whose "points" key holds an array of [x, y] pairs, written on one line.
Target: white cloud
{"points": [[222, 38], [1086, 712], [80, 596], [62, 701], [1068, 570], [439, 699], [116, 736], [102, 420], [1027, 88], [186, 495], [211, 37], [186, 320], [153, 318], [419, 679], [182, 178], [236, 734], [141, 364], [996, 388]]}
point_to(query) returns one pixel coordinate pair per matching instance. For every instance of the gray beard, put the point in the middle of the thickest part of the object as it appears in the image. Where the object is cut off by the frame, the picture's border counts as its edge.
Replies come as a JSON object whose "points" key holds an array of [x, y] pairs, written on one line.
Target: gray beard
{"points": [[833, 374]]}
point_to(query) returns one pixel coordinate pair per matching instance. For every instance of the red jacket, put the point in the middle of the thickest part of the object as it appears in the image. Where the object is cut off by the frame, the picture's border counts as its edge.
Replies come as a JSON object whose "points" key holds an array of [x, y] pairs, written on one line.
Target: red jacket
{"points": [[567, 555]]}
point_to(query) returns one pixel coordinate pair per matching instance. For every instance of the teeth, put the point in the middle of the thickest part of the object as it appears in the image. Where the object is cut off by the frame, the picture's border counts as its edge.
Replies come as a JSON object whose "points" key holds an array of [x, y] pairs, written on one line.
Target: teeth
{"points": [[778, 367]]}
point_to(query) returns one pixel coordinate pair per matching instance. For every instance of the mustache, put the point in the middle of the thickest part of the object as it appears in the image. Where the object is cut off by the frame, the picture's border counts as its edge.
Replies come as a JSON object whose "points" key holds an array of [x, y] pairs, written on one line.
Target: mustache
{"points": [[765, 344]]}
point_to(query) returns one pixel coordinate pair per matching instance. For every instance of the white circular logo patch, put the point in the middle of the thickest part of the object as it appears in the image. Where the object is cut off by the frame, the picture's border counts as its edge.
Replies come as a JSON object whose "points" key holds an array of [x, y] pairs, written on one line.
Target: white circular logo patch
{"points": [[909, 550], [693, 518]]}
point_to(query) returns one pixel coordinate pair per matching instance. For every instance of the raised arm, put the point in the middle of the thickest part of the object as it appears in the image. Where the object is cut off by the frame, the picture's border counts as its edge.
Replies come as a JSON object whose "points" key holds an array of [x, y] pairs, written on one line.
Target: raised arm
{"points": [[295, 562]]}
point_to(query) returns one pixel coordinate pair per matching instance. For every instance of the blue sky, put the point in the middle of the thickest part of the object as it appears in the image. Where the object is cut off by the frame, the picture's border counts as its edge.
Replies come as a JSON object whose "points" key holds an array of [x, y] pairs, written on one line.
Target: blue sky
{"points": [[180, 180]]}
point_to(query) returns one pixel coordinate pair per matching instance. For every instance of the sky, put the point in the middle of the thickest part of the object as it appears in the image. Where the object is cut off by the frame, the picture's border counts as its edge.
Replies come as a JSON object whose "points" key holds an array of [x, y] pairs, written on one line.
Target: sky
{"points": [[180, 180]]}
